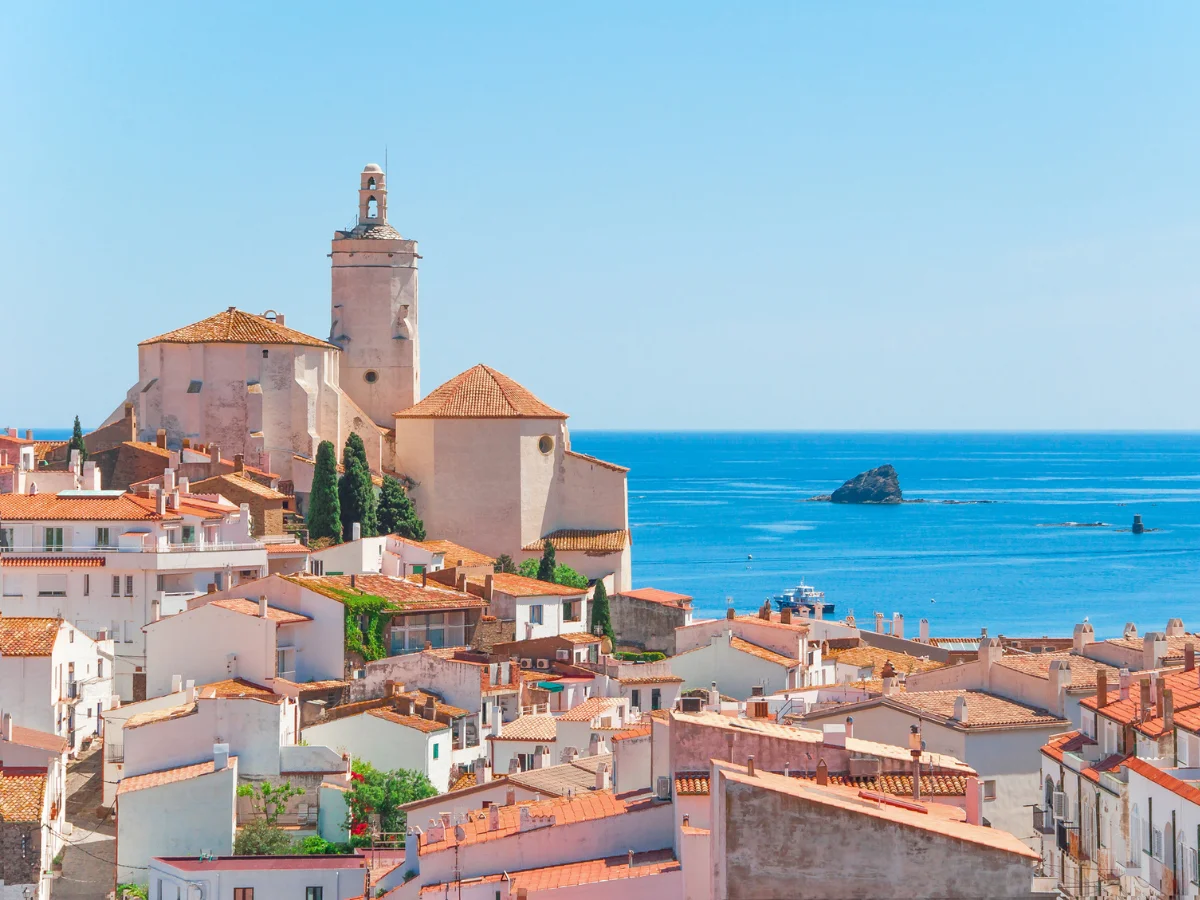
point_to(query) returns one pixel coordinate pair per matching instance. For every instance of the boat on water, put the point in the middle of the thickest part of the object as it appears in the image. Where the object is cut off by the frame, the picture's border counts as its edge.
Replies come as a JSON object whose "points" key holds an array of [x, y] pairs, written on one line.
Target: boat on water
{"points": [[804, 595]]}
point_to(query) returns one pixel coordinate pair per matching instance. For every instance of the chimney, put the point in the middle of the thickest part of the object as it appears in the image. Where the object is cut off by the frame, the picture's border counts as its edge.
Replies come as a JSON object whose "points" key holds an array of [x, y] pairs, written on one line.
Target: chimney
{"points": [[730, 613], [176, 684], [785, 615], [923, 631], [239, 462], [160, 503], [879, 623], [1144, 698], [75, 463], [1189, 656], [189, 690], [1083, 635], [1175, 628], [483, 773], [849, 727], [155, 610], [185, 486], [603, 782], [429, 711], [489, 583], [1168, 710], [1130, 632], [353, 581], [1060, 676], [1123, 683], [214, 456], [356, 531], [220, 757], [6, 727], [539, 759], [29, 434], [187, 444], [173, 499], [212, 587], [1101, 688], [262, 606], [888, 674], [714, 697], [168, 480], [514, 766], [765, 611], [462, 583], [960, 710], [494, 817], [594, 745], [750, 764], [822, 772], [898, 625], [160, 438], [510, 796], [974, 813], [424, 578]]}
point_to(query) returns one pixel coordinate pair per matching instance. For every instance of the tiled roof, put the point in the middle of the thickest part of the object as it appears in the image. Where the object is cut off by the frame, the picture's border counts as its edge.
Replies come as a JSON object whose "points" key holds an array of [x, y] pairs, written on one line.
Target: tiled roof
{"points": [[126, 507], [148, 447], [238, 689], [422, 697], [901, 785], [281, 549], [28, 635], [865, 655], [528, 728], [22, 794], [590, 708], [42, 740], [1163, 779], [428, 726], [1175, 645], [456, 554], [568, 875], [1083, 670], [565, 811], [598, 462], [776, 621], [51, 561], [654, 595], [464, 781], [581, 539], [403, 594], [636, 731], [652, 679], [691, 784], [160, 715], [580, 637], [233, 481], [520, 586], [1184, 687], [1066, 742], [232, 326], [166, 776], [983, 710], [250, 608], [480, 393], [369, 232], [560, 780], [745, 646]]}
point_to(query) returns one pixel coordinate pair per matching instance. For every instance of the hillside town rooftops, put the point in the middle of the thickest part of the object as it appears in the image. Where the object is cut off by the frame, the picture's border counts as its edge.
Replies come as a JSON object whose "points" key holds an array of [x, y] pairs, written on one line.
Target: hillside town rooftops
{"points": [[417, 723], [590, 708], [232, 326], [763, 653], [983, 710], [480, 393], [865, 655], [455, 554], [236, 481], [238, 689], [28, 635]]}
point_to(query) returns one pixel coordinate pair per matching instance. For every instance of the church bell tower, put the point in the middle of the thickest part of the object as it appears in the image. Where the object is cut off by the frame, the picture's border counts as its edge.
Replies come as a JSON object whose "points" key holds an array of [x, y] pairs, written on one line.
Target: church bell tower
{"points": [[374, 312]]}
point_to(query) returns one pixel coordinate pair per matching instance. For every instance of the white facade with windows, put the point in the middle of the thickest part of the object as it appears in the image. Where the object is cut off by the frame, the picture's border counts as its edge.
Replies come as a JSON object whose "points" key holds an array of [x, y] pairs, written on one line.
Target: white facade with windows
{"points": [[258, 878]]}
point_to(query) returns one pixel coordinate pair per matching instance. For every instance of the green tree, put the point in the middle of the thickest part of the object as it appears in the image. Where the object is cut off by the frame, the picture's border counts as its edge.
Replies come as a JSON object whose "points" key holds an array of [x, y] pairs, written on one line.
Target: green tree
{"points": [[397, 515], [546, 566], [262, 836], [504, 563], [601, 617], [382, 793], [528, 568], [76, 442], [324, 507], [565, 575], [355, 491]]}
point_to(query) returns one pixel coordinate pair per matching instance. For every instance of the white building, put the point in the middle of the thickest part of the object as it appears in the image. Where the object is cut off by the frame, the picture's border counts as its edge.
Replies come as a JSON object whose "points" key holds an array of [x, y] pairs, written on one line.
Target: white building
{"points": [[109, 562], [247, 877], [389, 740], [27, 478], [114, 731], [54, 678], [539, 609]]}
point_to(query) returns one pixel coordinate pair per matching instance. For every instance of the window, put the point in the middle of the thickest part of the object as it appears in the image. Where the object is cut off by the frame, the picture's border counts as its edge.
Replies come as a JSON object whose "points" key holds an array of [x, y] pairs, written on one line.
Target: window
{"points": [[317, 566], [102, 538], [635, 698], [1193, 866], [989, 790], [243, 894], [87, 583], [410, 632], [1156, 843], [370, 376], [436, 747], [194, 388], [116, 586], [571, 610], [313, 893], [53, 540], [535, 614], [6, 540], [656, 699], [52, 585], [265, 353], [99, 668], [188, 535], [128, 585], [545, 443], [372, 207]]}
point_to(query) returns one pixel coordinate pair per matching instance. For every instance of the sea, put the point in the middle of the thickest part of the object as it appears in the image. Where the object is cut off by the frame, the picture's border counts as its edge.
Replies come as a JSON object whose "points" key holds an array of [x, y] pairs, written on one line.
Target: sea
{"points": [[725, 517]]}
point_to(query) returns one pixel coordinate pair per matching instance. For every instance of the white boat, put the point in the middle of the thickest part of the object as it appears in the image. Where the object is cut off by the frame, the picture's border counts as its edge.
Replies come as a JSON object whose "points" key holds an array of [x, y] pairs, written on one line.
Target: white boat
{"points": [[803, 595]]}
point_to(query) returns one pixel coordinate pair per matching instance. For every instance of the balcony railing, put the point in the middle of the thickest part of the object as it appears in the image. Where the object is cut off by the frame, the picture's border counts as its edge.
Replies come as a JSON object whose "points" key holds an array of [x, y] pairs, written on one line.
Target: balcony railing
{"points": [[114, 753], [142, 547], [1043, 820]]}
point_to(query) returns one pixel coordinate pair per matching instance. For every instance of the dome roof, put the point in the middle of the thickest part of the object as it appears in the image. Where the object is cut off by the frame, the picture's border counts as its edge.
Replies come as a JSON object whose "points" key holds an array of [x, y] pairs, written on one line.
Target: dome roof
{"points": [[372, 167]]}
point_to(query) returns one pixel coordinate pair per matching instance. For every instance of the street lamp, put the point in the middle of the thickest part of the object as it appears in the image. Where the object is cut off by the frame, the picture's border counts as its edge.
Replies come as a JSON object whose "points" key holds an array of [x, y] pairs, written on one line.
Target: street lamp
{"points": [[914, 748]]}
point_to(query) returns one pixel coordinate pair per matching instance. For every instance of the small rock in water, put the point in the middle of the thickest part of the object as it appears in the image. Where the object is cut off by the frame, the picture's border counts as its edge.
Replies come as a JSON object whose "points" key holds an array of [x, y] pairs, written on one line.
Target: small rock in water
{"points": [[880, 485]]}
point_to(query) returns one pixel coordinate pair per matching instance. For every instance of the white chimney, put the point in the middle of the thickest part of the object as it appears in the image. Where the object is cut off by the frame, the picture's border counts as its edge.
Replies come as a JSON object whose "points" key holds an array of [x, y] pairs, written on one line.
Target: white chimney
{"points": [[176, 684], [1083, 635], [189, 689], [185, 485], [168, 480], [897, 625], [6, 727], [76, 464], [974, 813], [214, 456], [923, 631], [220, 757], [160, 503], [356, 531], [960, 709], [879, 623], [262, 606], [849, 726], [603, 782]]}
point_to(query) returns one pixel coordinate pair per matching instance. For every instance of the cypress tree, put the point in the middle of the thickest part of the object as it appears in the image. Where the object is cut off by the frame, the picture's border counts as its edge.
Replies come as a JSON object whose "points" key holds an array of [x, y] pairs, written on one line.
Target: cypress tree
{"points": [[397, 515], [324, 508], [601, 616], [546, 566], [356, 492], [76, 442]]}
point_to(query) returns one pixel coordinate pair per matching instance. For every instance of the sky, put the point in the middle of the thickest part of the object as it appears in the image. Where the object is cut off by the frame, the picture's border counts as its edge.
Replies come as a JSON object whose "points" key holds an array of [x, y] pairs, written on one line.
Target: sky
{"points": [[870, 216]]}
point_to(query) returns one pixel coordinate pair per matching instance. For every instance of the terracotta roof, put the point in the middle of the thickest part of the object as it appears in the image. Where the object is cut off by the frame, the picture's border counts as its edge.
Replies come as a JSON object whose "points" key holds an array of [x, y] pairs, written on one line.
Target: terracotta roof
{"points": [[166, 776], [1184, 686], [598, 462], [127, 507], [463, 782], [234, 481], [250, 608], [238, 689], [1163, 779], [590, 708], [652, 679], [864, 655], [691, 784], [560, 780], [1068, 741], [1175, 645], [22, 794], [428, 726], [797, 624], [779, 659], [1083, 669], [520, 586], [42, 740], [654, 595], [565, 811], [28, 635], [580, 637], [403, 594], [453, 553], [581, 539], [281, 549], [983, 710], [592, 871], [165, 714], [528, 728], [232, 326], [51, 561], [148, 447], [422, 697], [901, 785], [480, 393], [635, 731]]}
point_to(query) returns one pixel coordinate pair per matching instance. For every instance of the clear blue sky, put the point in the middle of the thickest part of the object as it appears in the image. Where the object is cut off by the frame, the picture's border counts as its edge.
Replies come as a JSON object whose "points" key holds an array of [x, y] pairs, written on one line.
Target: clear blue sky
{"points": [[657, 216]]}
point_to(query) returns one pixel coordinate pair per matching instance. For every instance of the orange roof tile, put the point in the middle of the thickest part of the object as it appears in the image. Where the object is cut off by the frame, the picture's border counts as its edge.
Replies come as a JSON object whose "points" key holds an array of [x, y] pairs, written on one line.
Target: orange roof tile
{"points": [[42, 740], [166, 776], [520, 586], [652, 679], [983, 710], [591, 871], [528, 728], [598, 462], [797, 624], [583, 540], [691, 784], [127, 507], [480, 393], [232, 326], [22, 794], [864, 656], [28, 635], [654, 595], [464, 781], [745, 646], [456, 554], [165, 714], [1187, 791], [234, 482], [148, 447], [281, 548], [403, 594], [948, 785], [635, 731], [250, 608], [415, 722], [238, 689], [1083, 669], [52, 561]]}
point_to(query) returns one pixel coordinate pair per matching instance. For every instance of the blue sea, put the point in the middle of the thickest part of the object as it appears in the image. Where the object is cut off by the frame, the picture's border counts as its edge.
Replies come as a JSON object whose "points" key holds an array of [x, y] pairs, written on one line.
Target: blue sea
{"points": [[702, 504]]}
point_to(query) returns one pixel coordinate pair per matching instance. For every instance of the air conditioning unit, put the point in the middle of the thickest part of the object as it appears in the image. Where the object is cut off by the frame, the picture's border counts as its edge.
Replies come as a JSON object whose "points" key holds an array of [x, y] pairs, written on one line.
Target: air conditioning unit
{"points": [[563, 655], [527, 664], [662, 789], [1059, 805], [543, 664]]}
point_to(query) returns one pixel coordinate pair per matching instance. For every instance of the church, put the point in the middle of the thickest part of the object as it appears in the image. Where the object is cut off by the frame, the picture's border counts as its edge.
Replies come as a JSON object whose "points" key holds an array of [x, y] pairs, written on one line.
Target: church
{"points": [[488, 464]]}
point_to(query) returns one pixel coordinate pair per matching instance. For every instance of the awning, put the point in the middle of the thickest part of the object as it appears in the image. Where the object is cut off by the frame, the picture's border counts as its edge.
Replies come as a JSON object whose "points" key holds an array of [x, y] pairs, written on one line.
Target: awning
{"points": [[550, 686]]}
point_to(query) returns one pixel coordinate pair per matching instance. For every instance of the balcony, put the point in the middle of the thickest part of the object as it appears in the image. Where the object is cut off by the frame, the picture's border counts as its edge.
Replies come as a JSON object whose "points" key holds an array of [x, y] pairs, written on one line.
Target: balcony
{"points": [[114, 753], [1043, 820]]}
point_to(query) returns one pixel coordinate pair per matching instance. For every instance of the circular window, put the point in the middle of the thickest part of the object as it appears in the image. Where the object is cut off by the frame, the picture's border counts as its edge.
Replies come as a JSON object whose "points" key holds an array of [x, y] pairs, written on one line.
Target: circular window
{"points": [[546, 443], [370, 376]]}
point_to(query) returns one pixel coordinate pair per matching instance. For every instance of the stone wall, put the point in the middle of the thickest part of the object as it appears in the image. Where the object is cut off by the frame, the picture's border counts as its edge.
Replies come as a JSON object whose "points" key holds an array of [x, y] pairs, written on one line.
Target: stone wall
{"points": [[645, 624], [20, 852]]}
